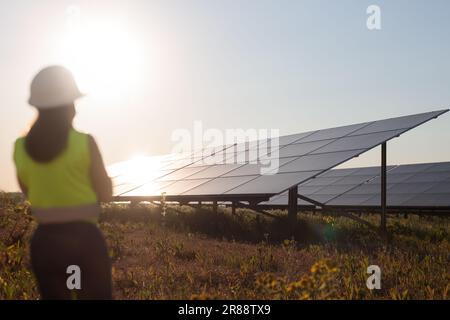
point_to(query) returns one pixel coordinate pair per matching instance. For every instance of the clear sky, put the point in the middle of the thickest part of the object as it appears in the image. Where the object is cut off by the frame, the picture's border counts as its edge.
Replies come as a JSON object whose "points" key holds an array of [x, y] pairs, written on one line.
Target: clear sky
{"points": [[286, 64]]}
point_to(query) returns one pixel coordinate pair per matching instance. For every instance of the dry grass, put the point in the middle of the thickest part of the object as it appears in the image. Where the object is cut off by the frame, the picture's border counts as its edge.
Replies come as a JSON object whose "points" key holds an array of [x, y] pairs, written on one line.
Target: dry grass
{"points": [[195, 254]]}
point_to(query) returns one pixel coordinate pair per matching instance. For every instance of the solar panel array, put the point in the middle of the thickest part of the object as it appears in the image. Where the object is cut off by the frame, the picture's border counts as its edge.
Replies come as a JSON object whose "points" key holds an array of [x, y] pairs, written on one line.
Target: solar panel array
{"points": [[235, 169], [413, 185]]}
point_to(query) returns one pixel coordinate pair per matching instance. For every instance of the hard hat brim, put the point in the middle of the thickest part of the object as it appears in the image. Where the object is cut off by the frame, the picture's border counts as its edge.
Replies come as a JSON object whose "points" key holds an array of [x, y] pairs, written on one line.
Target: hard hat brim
{"points": [[45, 103]]}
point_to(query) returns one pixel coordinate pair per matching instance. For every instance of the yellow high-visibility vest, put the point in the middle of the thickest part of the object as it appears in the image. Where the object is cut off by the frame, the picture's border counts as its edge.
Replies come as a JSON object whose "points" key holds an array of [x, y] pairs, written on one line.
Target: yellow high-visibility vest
{"points": [[61, 189]]}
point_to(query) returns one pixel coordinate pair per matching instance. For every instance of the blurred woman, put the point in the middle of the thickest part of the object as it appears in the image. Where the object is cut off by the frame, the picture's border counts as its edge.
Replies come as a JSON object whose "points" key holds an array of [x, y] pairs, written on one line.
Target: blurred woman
{"points": [[61, 172]]}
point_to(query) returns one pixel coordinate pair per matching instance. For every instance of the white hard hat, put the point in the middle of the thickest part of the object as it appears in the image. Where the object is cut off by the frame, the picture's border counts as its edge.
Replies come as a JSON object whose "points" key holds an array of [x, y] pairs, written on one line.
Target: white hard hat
{"points": [[52, 87]]}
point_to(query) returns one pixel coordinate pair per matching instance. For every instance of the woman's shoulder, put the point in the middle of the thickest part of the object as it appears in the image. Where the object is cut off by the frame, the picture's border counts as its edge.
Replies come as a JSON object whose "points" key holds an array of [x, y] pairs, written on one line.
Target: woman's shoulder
{"points": [[19, 142], [87, 138], [82, 134], [79, 132]]}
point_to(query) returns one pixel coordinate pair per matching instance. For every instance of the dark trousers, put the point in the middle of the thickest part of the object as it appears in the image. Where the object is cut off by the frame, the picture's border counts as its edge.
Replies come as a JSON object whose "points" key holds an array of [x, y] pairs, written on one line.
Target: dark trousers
{"points": [[55, 247]]}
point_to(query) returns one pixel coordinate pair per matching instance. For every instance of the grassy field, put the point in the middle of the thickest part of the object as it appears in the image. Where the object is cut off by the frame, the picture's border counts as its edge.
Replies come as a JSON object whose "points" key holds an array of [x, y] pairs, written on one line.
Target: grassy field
{"points": [[195, 254]]}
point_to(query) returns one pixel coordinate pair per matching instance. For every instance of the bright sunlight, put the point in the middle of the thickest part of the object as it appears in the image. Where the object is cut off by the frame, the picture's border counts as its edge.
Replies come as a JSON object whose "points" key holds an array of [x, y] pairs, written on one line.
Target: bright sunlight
{"points": [[104, 55], [138, 171]]}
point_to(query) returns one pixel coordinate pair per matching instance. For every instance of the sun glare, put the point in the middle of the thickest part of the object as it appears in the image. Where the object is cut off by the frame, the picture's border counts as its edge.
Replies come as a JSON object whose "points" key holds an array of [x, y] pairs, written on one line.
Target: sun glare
{"points": [[137, 171], [105, 58]]}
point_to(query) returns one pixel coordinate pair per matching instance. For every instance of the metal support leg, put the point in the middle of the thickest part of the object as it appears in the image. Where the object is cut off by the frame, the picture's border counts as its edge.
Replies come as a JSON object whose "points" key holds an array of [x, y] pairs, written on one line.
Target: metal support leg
{"points": [[233, 208], [383, 189], [292, 206], [215, 207]]}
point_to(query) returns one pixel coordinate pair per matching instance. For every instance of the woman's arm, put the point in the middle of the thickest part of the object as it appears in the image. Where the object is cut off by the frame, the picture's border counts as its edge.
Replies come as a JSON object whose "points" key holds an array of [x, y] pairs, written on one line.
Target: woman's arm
{"points": [[22, 186], [100, 181]]}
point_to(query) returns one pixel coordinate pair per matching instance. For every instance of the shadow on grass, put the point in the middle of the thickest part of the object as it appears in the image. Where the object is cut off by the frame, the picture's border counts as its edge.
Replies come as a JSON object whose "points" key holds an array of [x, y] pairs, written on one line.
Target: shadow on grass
{"points": [[245, 225]]}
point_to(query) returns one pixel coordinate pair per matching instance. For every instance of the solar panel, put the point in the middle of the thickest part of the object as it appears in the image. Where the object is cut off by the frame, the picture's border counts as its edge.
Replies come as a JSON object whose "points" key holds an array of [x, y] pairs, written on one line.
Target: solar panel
{"points": [[254, 169], [412, 185], [179, 186], [303, 148], [286, 140], [301, 157], [336, 173], [331, 184], [215, 171], [405, 122], [323, 180], [218, 185], [272, 184], [148, 188], [182, 173], [333, 133], [319, 162], [428, 200], [441, 187]]}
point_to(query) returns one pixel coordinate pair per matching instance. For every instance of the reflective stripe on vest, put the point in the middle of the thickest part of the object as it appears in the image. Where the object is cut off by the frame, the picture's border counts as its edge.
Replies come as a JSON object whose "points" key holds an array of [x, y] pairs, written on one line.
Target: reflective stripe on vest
{"points": [[88, 213]]}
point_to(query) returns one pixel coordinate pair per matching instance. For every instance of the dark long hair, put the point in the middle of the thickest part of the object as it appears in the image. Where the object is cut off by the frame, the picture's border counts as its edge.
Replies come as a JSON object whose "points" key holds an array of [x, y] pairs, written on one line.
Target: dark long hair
{"points": [[48, 136]]}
